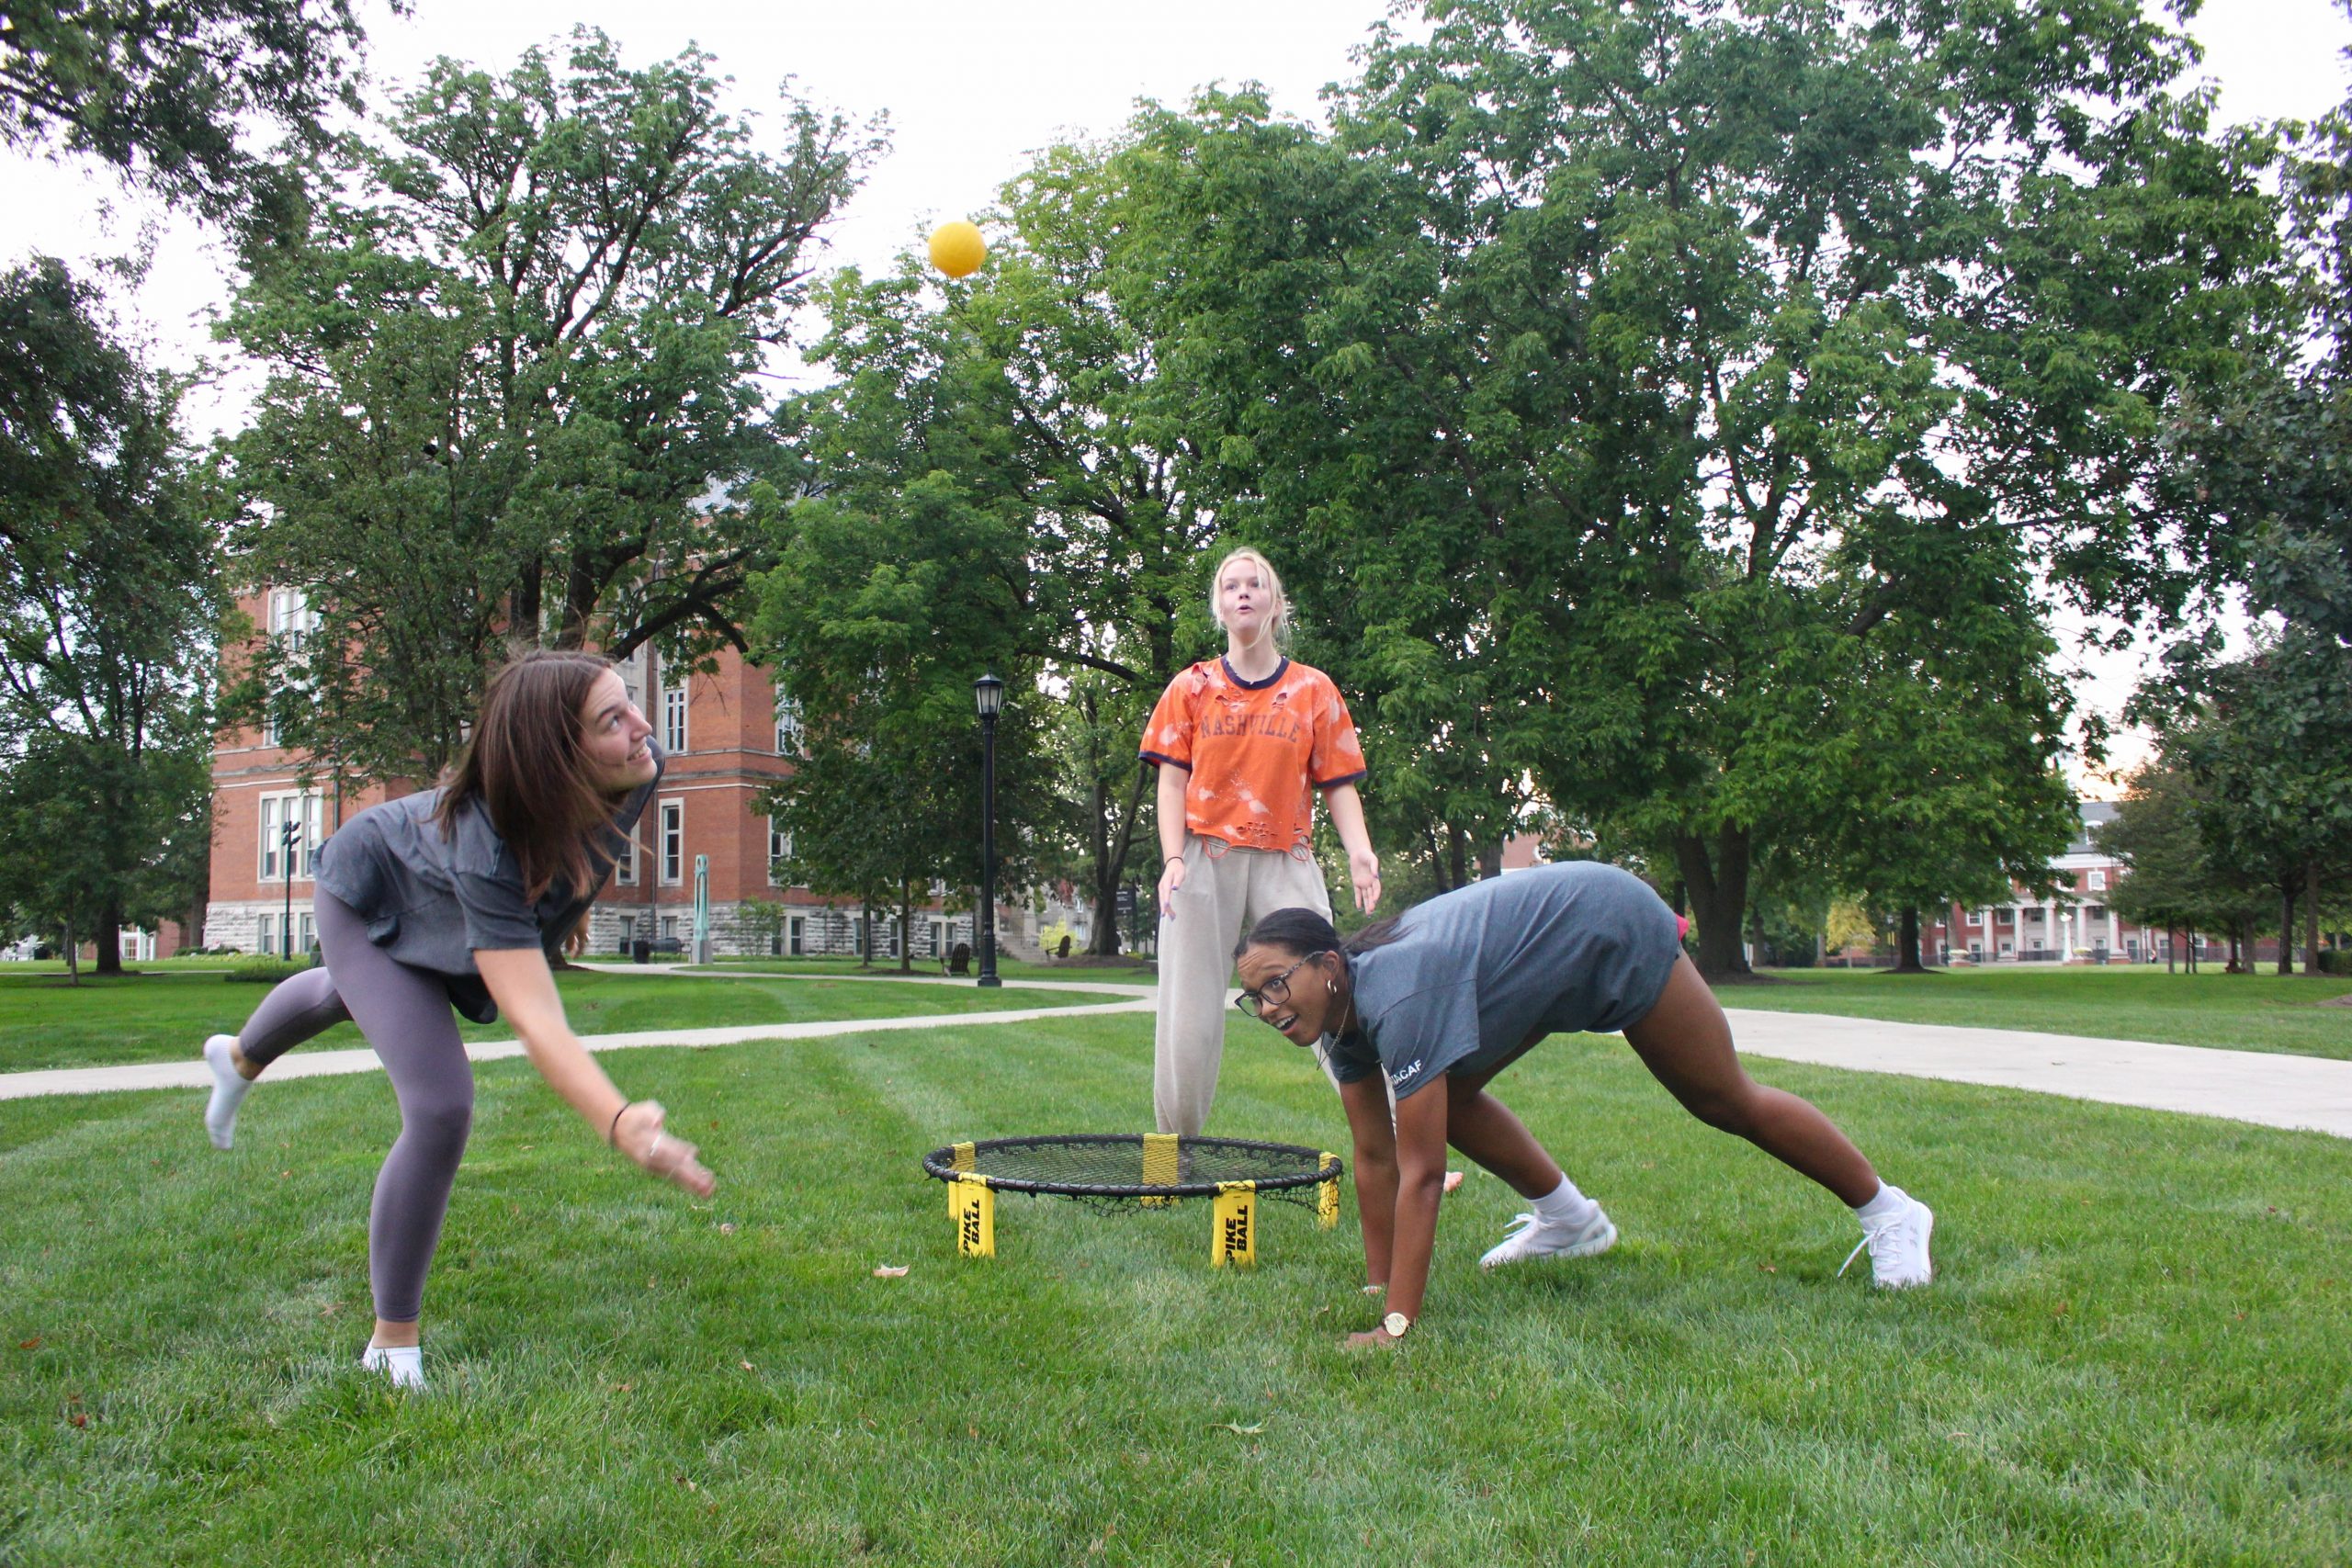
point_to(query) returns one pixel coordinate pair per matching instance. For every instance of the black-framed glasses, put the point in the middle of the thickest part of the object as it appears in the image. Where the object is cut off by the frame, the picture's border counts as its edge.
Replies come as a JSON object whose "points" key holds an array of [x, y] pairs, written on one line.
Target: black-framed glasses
{"points": [[1275, 990]]}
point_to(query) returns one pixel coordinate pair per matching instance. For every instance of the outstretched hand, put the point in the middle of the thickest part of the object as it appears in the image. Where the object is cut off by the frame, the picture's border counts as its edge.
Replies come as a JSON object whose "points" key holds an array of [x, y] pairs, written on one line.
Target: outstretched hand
{"points": [[639, 1134]]}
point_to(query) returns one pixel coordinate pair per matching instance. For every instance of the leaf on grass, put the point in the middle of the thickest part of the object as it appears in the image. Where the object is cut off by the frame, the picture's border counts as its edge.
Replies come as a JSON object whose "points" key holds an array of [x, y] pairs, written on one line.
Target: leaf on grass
{"points": [[81, 1419], [727, 1227], [745, 1365], [890, 1271], [1237, 1426], [32, 1344]]}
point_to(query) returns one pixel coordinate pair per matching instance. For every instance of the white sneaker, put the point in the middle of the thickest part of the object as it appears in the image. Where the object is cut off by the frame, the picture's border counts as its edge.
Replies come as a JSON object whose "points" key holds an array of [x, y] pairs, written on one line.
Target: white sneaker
{"points": [[1898, 1247], [1531, 1238], [228, 1090], [404, 1364]]}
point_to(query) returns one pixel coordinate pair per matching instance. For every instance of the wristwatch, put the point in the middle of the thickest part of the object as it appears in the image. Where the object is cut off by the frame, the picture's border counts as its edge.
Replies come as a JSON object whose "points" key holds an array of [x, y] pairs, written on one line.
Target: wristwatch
{"points": [[1396, 1323]]}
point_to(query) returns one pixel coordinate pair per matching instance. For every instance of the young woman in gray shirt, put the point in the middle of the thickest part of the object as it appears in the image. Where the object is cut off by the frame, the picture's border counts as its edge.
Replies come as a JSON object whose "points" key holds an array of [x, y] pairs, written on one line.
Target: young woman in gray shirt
{"points": [[1442, 999], [456, 898]]}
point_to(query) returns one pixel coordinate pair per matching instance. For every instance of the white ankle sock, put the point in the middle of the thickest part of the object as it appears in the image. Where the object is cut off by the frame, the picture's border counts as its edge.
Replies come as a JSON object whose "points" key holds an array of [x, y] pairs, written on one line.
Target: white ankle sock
{"points": [[228, 1090], [1885, 1205], [404, 1363], [1564, 1205]]}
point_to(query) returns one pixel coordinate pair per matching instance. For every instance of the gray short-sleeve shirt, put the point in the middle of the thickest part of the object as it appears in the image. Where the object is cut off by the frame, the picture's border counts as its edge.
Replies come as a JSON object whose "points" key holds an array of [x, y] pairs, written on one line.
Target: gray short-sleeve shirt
{"points": [[432, 901], [1472, 973]]}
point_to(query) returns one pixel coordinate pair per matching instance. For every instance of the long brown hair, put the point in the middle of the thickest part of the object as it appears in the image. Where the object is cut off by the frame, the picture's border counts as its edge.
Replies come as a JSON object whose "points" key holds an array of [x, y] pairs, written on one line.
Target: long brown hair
{"points": [[524, 764]]}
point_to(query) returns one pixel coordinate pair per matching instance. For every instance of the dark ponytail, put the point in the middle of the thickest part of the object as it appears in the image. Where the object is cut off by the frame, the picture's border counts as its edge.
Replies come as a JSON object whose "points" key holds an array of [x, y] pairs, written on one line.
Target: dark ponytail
{"points": [[1301, 931]]}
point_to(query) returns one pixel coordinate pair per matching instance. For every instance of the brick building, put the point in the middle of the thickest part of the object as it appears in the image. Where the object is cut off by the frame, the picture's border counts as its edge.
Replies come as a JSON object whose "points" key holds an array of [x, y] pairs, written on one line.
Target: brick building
{"points": [[2073, 925], [726, 739]]}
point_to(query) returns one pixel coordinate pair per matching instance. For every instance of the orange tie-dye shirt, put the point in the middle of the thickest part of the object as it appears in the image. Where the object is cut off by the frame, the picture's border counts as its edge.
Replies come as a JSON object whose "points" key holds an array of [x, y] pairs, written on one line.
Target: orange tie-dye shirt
{"points": [[1256, 752]]}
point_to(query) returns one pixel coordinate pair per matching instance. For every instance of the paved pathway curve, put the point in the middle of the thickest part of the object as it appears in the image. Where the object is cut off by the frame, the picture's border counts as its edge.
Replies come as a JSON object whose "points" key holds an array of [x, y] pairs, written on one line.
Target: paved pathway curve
{"points": [[2248, 1086], [2264, 1086]]}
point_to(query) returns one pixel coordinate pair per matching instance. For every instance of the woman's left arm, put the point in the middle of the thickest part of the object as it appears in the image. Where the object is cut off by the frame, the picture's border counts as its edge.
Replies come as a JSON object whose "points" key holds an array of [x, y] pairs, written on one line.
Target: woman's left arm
{"points": [[520, 984], [1363, 866], [1421, 1182]]}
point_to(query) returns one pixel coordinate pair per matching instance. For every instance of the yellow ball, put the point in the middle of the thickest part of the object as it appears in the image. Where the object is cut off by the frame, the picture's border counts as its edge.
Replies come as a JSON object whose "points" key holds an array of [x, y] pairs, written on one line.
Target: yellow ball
{"points": [[957, 249]]}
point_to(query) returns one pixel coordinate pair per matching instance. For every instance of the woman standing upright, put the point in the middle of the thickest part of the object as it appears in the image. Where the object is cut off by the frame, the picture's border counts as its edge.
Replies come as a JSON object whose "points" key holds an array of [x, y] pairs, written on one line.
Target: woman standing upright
{"points": [[457, 898], [1242, 743]]}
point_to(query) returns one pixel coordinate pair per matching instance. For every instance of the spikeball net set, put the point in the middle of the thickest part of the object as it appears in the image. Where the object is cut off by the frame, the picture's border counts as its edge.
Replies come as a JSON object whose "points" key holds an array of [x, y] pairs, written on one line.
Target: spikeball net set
{"points": [[1137, 1170]]}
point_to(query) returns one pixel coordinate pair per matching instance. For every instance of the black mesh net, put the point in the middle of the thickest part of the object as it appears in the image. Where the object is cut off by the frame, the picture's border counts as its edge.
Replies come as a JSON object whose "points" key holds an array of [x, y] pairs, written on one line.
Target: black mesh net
{"points": [[1129, 1165]]}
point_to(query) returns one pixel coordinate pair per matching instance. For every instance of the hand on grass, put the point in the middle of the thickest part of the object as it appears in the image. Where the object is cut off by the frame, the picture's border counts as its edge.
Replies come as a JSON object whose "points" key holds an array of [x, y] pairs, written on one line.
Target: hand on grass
{"points": [[638, 1135]]}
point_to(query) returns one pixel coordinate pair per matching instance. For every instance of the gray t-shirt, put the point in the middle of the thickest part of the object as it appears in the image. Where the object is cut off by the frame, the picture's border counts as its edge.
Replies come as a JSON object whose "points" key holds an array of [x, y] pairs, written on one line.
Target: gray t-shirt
{"points": [[430, 901], [1473, 974]]}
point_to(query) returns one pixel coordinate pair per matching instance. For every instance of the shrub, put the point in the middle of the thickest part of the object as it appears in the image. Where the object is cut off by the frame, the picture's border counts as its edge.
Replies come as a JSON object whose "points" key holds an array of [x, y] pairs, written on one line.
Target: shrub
{"points": [[265, 970], [2335, 960]]}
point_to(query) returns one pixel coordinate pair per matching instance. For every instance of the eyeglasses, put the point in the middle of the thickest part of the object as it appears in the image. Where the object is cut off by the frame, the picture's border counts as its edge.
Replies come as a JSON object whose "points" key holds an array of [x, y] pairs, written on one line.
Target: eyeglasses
{"points": [[1275, 990]]}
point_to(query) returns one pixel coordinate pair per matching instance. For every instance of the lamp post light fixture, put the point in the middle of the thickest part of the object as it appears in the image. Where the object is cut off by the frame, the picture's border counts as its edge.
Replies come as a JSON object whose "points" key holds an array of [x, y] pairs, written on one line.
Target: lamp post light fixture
{"points": [[290, 833], [988, 692]]}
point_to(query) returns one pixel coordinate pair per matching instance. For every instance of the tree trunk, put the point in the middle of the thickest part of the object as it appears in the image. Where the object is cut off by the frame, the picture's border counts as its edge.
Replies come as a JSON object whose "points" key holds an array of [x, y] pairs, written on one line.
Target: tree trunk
{"points": [[108, 937], [73, 953], [1457, 856], [1716, 875], [1906, 943], [906, 928], [2287, 891], [1490, 862], [2311, 917], [2172, 951], [1111, 866]]}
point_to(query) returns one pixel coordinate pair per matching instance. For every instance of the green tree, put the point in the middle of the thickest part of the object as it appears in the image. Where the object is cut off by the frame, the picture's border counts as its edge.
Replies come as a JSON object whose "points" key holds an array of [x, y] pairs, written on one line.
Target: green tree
{"points": [[512, 390], [174, 95], [1655, 355], [2174, 881], [870, 637], [109, 608]]}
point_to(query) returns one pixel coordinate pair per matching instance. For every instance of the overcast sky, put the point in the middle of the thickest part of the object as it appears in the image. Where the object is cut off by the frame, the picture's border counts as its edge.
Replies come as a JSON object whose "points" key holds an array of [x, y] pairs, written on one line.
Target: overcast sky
{"points": [[969, 89]]}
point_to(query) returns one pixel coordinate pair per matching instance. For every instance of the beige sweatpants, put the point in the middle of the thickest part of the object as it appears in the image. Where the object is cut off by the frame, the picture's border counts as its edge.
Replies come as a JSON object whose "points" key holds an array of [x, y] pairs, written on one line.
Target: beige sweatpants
{"points": [[1223, 895]]}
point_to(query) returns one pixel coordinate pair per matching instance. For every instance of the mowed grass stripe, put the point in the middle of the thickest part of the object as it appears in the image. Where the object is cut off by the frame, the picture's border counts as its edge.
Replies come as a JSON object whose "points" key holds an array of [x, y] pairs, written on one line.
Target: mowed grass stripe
{"points": [[151, 1018], [2080, 1385]]}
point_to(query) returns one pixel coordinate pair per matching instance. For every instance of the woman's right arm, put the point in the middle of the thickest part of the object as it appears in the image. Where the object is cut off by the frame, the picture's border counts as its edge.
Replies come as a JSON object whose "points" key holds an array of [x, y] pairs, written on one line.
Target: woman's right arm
{"points": [[1366, 1103], [1173, 781], [520, 982]]}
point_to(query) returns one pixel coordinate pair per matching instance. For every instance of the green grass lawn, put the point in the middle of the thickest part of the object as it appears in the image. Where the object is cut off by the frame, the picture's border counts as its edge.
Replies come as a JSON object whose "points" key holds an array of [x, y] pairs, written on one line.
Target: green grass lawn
{"points": [[2236, 1012], [2140, 1348], [155, 1017]]}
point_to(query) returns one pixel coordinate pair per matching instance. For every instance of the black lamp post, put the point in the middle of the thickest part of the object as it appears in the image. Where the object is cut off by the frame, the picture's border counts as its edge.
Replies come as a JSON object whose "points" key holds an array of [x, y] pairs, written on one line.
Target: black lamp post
{"points": [[287, 832], [989, 692]]}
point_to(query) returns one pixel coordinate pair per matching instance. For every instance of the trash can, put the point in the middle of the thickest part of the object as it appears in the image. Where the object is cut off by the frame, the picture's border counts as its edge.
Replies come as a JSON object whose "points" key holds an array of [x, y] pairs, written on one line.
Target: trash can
{"points": [[641, 950]]}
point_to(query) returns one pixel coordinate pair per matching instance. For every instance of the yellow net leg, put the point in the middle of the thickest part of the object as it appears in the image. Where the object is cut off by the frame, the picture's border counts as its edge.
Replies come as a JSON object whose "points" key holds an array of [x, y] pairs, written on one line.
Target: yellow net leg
{"points": [[960, 1158], [1234, 1233], [1163, 1166], [974, 1216], [1326, 1197]]}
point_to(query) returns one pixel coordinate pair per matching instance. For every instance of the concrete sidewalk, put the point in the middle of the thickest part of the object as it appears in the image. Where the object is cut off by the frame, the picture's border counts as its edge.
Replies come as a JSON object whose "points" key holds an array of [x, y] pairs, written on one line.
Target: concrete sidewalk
{"points": [[2307, 1092]]}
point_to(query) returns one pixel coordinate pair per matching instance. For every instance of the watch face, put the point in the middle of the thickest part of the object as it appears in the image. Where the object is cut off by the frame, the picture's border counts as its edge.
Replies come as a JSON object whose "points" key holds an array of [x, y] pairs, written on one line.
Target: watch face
{"points": [[1396, 1323]]}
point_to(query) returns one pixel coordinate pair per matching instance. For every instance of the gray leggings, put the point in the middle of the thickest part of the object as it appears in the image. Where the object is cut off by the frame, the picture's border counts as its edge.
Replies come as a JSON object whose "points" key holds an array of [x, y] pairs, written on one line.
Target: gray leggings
{"points": [[405, 1015]]}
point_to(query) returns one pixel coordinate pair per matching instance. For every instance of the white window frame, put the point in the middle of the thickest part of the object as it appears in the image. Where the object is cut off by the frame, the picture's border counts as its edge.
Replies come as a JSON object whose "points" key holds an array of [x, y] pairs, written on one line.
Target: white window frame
{"points": [[628, 931], [787, 726], [273, 814], [674, 719], [625, 868], [779, 848], [1977, 917], [266, 934], [669, 928], [673, 863], [2097, 879]]}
